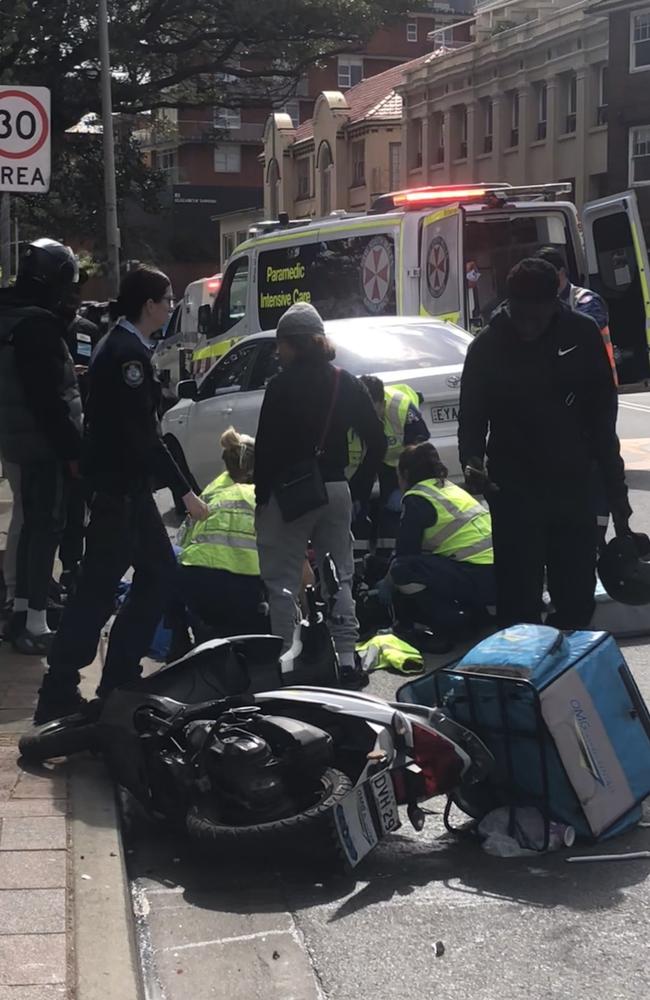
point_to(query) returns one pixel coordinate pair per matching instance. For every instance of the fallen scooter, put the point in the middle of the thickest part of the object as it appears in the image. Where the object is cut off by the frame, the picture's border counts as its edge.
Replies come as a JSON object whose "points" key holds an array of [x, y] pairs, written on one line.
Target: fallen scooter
{"points": [[252, 772]]}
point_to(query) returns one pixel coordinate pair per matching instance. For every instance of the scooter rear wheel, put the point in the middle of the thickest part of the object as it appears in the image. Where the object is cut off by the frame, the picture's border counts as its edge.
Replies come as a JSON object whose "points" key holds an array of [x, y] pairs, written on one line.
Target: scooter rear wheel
{"points": [[204, 826]]}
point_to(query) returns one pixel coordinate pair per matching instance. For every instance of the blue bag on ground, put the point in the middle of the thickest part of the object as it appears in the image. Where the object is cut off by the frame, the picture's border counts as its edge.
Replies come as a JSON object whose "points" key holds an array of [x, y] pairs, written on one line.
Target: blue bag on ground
{"points": [[564, 719]]}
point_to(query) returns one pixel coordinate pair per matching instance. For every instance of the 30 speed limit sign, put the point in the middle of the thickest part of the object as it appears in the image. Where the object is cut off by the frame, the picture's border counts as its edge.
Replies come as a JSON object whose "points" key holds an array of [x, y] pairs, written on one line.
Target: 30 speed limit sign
{"points": [[24, 139]]}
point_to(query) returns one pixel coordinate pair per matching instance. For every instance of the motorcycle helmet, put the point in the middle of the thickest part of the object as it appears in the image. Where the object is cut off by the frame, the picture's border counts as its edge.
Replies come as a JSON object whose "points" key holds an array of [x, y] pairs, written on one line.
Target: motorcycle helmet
{"points": [[49, 265], [622, 572]]}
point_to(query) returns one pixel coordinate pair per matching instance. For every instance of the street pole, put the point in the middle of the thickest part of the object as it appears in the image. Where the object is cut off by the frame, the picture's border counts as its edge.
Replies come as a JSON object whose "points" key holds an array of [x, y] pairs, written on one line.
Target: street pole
{"points": [[5, 238], [110, 193]]}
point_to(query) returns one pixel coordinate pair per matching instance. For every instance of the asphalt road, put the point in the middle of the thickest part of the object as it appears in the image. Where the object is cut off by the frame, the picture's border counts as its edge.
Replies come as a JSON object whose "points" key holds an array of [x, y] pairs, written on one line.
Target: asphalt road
{"points": [[532, 929]]}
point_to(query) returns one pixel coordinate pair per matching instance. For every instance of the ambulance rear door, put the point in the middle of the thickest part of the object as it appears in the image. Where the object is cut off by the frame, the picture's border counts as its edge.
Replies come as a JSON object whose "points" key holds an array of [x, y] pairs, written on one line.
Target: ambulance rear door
{"points": [[441, 265], [617, 262]]}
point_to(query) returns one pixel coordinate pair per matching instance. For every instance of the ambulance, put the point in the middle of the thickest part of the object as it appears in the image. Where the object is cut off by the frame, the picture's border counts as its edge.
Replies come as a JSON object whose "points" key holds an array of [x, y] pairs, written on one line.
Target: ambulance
{"points": [[172, 356], [437, 251]]}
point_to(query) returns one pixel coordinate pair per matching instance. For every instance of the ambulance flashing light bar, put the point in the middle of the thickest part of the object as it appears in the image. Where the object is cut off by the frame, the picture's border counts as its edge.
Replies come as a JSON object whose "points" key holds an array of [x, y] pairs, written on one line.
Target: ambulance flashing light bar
{"points": [[214, 284], [450, 194]]}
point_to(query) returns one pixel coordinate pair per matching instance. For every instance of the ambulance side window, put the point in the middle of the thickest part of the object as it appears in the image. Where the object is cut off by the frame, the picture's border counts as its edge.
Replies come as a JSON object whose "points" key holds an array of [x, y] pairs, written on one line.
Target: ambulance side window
{"points": [[230, 306]]}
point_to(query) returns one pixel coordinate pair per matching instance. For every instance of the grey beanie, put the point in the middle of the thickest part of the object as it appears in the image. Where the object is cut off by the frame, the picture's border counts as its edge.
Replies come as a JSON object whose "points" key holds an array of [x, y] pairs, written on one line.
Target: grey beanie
{"points": [[300, 318]]}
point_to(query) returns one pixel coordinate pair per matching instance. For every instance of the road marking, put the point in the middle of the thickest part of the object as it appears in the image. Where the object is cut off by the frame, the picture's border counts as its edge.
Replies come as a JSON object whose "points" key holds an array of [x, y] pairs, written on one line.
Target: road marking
{"points": [[642, 407], [255, 936]]}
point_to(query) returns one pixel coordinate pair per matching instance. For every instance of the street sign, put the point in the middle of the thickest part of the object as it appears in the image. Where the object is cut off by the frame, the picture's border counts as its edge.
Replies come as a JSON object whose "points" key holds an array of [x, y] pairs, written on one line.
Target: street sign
{"points": [[24, 139]]}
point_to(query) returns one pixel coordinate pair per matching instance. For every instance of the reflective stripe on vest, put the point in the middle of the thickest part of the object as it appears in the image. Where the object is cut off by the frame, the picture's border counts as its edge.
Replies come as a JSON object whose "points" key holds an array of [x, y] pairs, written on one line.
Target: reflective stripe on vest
{"points": [[226, 539], [575, 302], [397, 400], [463, 528]]}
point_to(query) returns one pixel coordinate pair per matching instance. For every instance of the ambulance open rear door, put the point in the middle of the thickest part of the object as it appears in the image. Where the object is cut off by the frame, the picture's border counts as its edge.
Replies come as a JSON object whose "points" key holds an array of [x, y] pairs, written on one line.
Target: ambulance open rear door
{"points": [[617, 261], [441, 265]]}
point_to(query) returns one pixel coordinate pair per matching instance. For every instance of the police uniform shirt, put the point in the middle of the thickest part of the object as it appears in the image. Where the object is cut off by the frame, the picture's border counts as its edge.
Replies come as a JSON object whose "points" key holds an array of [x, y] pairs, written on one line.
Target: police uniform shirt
{"points": [[124, 447]]}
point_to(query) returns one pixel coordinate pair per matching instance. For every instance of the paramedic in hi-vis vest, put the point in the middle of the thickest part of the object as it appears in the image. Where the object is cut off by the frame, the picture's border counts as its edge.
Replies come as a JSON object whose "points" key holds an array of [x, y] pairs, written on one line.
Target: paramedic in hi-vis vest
{"points": [[397, 408], [219, 571], [442, 576], [583, 300]]}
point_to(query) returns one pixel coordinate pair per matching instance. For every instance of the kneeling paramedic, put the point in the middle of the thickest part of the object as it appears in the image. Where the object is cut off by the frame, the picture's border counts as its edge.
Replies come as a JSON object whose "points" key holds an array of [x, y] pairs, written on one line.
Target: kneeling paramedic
{"points": [[219, 570], [442, 576], [397, 408]]}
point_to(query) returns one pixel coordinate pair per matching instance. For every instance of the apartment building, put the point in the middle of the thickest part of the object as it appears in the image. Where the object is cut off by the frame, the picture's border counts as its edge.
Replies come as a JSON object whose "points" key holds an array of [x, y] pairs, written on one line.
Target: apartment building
{"points": [[525, 101], [627, 100]]}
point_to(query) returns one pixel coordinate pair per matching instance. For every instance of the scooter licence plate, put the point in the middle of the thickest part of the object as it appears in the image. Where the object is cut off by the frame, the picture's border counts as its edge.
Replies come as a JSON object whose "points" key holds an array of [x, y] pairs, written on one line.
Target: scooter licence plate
{"points": [[365, 815]]}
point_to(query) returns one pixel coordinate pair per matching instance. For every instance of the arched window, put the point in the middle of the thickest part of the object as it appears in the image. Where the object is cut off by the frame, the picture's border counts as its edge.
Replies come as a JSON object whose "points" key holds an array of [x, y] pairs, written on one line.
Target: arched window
{"points": [[325, 163], [273, 181]]}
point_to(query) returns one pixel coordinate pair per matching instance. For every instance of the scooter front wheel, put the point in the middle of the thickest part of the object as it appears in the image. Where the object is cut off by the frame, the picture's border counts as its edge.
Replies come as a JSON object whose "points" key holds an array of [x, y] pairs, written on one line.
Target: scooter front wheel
{"points": [[205, 827]]}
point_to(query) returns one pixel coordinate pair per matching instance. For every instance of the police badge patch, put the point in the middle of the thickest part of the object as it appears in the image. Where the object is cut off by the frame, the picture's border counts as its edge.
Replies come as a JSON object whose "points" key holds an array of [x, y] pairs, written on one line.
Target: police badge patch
{"points": [[133, 374]]}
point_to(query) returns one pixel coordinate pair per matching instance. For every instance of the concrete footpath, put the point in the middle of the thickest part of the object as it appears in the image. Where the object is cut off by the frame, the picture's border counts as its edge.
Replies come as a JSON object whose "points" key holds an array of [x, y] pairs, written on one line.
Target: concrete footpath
{"points": [[65, 911]]}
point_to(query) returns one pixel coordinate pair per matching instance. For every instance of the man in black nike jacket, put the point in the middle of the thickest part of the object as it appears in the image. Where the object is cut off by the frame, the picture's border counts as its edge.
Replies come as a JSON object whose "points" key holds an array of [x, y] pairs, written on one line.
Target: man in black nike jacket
{"points": [[536, 398]]}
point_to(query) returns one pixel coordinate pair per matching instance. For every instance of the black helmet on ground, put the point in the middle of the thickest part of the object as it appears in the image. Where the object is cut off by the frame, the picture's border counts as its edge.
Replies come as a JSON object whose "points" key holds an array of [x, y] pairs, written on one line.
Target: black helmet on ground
{"points": [[48, 269], [622, 572]]}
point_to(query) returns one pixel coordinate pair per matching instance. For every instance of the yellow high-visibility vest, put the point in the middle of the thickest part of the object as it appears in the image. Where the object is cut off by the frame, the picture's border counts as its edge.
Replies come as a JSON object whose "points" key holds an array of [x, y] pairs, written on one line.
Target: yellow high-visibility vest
{"points": [[226, 539], [397, 400], [463, 528]]}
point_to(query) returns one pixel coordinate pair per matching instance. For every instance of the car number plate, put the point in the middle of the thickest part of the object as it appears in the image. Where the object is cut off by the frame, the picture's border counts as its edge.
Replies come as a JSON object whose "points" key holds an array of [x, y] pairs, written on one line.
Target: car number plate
{"points": [[365, 815], [444, 414]]}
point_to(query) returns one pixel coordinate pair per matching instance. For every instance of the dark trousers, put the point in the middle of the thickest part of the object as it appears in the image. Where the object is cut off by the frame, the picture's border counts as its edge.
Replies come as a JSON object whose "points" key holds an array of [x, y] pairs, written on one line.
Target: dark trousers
{"points": [[534, 533], [122, 532], [439, 592], [43, 497], [227, 603], [71, 549]]}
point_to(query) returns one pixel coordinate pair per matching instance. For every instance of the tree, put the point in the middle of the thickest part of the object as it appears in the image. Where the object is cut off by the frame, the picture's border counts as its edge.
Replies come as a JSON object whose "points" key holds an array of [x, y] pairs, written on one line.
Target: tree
{"points": [[166, 53]]}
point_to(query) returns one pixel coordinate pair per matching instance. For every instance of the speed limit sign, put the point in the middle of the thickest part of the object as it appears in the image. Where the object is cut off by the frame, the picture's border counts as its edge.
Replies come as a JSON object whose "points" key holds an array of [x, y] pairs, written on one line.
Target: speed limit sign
{"points": [[24, 139]]}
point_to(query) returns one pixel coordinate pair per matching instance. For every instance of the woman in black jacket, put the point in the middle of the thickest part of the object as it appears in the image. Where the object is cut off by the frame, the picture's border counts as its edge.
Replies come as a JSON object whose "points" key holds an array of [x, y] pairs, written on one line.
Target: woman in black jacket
{"points": [[293, 422]]}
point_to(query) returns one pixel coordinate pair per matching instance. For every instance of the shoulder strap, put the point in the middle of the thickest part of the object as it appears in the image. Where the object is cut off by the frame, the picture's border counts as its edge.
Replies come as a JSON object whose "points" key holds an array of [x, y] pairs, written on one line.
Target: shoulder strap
{"points": [[330, 413]]}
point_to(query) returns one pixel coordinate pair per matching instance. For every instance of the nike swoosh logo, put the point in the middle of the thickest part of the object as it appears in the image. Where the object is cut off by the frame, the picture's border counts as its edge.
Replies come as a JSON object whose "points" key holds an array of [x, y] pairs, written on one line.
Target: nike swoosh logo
{"points": [[567, 350]]}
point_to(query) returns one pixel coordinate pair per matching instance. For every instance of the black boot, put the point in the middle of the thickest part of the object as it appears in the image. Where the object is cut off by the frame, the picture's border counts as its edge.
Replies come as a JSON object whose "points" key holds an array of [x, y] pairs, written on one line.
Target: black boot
{"points": [[55, 702]]}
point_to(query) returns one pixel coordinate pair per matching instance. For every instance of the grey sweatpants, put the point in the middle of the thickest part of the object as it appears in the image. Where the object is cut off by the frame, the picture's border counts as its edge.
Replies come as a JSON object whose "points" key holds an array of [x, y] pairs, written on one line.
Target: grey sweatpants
{"points": [[282, 550]]}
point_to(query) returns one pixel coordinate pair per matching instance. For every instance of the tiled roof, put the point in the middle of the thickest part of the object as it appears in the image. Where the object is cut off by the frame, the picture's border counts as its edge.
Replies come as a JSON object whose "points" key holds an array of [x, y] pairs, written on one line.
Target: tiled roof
{"points": [[374, 97]]}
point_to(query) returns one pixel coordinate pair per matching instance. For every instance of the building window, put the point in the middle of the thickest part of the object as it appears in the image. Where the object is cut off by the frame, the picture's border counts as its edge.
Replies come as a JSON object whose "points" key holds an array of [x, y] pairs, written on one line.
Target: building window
{"points": [[640, 155], [415, 143], [514, 118], [358, 163], [488, 124], [601, 110], [438, 137], [167, 160], [292, 108], [303, 175], [571, 103], [350, 71], [394, 165], [412, 31], [541, 95], [227, 118], [228, 245], [462, 133], [227, 158], [640, 41]]}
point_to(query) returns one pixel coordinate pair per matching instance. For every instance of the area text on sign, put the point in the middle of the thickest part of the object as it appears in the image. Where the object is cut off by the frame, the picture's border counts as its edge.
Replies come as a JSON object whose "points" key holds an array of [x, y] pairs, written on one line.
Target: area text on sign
{"points": [[25, 139]]}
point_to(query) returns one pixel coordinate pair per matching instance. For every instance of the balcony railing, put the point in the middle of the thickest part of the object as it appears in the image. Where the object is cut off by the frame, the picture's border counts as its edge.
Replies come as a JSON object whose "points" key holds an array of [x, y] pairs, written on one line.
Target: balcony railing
{"points": [[192, 133]]}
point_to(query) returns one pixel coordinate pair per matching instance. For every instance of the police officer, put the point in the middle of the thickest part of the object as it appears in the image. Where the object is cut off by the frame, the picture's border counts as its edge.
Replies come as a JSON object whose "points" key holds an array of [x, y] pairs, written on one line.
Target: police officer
{"points": [[537, 396], [124, 460], [40, 426], [397, 408]]}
